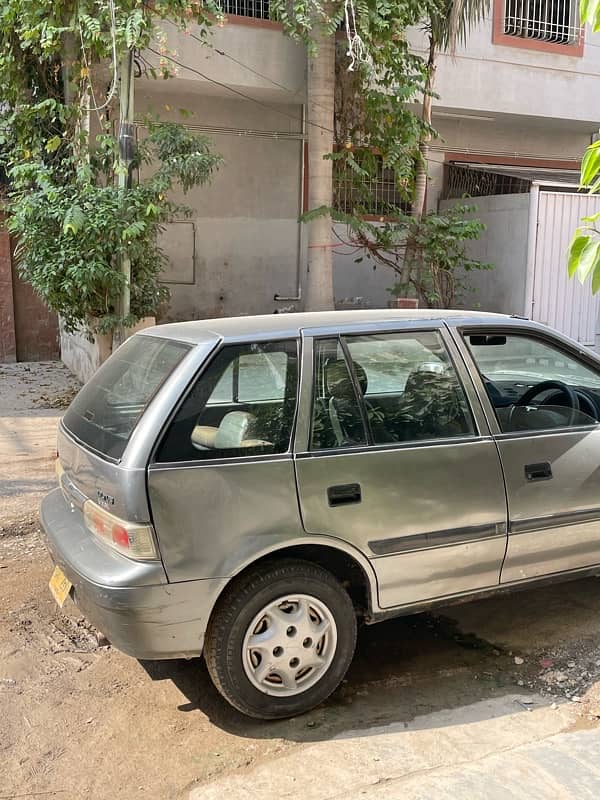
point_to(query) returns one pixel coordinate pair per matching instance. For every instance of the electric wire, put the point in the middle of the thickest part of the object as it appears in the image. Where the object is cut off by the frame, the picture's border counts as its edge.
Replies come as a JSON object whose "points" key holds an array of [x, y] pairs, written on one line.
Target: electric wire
{"points": [[115, 78], [237, 91]]}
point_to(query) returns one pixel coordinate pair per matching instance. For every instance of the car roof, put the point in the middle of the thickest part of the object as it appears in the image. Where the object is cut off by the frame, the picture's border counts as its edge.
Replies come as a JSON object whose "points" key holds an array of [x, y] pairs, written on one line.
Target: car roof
{"points": [[291, 324]]}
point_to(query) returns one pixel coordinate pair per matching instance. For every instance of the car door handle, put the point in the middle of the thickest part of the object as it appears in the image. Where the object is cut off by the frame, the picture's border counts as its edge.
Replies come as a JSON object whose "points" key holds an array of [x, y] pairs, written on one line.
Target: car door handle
{"points": [[538, 472], [344, 494]]}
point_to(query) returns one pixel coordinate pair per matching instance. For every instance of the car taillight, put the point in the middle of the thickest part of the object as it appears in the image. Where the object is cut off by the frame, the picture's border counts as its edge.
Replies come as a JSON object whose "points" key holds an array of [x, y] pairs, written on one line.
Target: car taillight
{"points": [[129, 538]]}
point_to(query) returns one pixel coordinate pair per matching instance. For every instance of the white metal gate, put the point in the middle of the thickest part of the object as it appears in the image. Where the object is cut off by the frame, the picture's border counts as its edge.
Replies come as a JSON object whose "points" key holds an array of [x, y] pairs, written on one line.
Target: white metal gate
{"points": [[557, 300]]}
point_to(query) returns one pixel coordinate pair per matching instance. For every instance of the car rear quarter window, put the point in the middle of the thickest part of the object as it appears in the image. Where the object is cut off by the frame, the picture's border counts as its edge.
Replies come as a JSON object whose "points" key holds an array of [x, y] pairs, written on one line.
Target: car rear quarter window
{"points": [[109, 406], [243, 404]]}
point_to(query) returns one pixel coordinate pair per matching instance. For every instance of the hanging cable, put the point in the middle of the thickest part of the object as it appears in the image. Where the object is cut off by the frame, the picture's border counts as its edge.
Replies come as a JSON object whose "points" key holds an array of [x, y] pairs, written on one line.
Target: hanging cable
{"points": [[115, 79], [357, 52], [236, 91]]}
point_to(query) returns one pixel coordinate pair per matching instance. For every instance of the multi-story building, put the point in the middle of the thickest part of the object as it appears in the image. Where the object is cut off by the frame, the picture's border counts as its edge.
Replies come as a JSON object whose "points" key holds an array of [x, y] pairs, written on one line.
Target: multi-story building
{"points": [[516, 104]]}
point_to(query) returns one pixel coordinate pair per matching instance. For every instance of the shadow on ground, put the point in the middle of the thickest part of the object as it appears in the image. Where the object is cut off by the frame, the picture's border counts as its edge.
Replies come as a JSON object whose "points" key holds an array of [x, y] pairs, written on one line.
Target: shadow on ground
{"points": [[420, 664]]}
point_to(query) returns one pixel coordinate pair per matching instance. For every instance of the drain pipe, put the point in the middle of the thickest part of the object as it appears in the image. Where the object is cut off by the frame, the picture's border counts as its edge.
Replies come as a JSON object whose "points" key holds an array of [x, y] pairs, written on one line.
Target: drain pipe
{"points": [[280, 298], [532, 233]]}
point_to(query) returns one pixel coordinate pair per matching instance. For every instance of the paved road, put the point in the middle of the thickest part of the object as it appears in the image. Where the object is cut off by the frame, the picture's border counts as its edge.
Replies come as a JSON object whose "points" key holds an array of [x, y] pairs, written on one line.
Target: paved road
{"points": [[486, 751]]}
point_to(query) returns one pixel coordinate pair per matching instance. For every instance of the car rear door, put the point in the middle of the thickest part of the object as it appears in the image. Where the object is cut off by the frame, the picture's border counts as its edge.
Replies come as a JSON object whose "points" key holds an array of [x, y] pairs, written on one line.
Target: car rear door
{"points": [[221, 483], [393, 455], [550, 455]]}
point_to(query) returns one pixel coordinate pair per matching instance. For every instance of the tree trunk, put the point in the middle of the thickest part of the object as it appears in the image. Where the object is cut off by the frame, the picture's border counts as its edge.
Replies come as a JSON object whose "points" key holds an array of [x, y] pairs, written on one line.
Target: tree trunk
{"points": [[321, 84], [418, 205], [411, 261]]}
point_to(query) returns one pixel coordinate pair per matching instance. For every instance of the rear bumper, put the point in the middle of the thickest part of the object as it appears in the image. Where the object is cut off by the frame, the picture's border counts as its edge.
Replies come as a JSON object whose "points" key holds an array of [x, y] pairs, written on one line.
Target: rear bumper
{"points": [[130, 602]]}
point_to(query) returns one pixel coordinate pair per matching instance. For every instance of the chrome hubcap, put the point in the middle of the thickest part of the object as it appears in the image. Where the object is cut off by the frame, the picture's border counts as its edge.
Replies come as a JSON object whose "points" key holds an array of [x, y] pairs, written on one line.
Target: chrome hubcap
{"points": [[289, 645]]}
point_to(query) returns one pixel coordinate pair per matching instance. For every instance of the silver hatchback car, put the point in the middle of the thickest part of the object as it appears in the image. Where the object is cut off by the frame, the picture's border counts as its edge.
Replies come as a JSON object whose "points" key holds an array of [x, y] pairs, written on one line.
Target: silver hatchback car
{"points": [[248, 488]]}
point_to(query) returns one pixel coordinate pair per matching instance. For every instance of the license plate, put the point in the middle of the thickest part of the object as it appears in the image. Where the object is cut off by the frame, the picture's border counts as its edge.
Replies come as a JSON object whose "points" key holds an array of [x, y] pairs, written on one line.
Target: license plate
{"points": [[60, 586]]}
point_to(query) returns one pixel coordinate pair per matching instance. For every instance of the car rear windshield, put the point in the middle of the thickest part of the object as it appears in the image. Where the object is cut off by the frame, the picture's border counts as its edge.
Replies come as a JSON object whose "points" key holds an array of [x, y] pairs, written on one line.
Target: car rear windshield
{"points": [[107, 409]]}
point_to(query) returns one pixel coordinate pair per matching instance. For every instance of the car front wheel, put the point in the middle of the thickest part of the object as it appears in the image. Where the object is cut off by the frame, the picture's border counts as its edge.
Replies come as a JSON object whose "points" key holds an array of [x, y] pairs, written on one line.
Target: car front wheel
{"points": [[281, 639]]}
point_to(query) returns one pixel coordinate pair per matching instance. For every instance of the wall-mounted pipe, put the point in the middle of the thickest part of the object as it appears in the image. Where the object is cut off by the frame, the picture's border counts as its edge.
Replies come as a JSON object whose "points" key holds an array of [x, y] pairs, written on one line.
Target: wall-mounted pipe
{"points": [[279, 298]]}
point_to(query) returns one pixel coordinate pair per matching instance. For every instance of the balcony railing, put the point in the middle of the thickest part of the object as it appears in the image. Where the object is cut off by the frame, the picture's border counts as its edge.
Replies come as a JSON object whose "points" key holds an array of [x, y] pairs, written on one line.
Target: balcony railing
{"points": [[555, 21]]}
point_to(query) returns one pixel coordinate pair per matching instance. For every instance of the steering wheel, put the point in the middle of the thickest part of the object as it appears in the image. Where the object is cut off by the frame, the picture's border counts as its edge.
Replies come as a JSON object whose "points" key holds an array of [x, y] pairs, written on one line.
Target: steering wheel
{"points": [[531, 393]]}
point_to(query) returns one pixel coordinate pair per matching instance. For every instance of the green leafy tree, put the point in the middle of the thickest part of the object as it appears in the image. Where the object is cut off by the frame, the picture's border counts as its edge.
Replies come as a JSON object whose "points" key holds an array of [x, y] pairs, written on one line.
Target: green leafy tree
{"points": [[446, 24], [438, 267], [378, 80], [357, 111], [584, 250], [72, 233], [72, 221]]}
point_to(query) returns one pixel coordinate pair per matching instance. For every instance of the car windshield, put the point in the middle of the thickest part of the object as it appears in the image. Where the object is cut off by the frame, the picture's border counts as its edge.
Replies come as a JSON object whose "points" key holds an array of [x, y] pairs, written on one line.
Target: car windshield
{"points": [[527, 360], [107, 409]]}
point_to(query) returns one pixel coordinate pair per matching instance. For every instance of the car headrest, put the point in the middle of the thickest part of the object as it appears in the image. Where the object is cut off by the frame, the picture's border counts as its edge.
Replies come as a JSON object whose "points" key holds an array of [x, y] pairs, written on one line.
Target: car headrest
{"points": [[234, 428]]}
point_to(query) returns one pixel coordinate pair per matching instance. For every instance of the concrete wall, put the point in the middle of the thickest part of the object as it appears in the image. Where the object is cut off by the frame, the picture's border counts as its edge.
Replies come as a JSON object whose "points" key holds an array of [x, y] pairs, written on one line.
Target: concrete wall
{"points": [[272, 66], [362, 284], [504, 244], [491, 78], [243, 244], [501, 137], [81, 353]]}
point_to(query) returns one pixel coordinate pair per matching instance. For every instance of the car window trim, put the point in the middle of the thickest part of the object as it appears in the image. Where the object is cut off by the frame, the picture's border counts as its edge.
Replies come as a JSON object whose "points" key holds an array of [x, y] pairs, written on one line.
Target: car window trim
{"points": [[223, 343], [449, 345], [314, 374], [415, 443], [357, 391], [533, 333]]}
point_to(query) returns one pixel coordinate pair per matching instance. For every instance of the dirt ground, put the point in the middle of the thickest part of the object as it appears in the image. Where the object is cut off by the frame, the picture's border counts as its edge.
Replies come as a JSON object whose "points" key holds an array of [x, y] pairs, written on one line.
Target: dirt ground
{"points": [[82, 720], [32, 399]]}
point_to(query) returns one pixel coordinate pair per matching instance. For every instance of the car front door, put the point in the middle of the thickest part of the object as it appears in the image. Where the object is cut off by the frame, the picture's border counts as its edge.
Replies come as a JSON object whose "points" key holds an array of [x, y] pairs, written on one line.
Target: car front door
{"points": [[393, 456], [544, 407]]}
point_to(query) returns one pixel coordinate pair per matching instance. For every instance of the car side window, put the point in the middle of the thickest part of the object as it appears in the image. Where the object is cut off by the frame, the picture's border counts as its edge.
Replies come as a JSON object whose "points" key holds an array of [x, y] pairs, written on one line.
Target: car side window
{"points": [[409, 387], [243, 404], [533, 384], [336, 415]]}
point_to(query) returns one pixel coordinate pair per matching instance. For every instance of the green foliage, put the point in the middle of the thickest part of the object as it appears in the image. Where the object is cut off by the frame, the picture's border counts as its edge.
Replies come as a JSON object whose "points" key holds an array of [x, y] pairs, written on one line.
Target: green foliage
{"points": [[71, 234], [372, 102], [449, 22], [584, 251], [436, 266], [583, 257], [377, 128], [72, 222], [589, 11], [439, 264]]}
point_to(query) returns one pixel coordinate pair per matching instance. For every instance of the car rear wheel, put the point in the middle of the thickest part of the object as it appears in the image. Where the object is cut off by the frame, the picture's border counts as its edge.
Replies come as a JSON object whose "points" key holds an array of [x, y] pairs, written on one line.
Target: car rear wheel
{"points": [[281, 639]]}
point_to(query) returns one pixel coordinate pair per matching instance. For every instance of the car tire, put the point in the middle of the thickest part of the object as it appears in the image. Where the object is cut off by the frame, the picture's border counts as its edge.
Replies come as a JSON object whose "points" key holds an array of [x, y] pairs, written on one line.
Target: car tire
{"points": [[281, 639]]}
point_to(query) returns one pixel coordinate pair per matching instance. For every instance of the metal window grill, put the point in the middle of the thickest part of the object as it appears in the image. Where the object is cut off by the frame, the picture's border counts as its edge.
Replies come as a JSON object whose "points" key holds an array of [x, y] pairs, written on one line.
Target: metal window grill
{"points": [[257, 9], [468, 182], [555, 21], [377, 195]]}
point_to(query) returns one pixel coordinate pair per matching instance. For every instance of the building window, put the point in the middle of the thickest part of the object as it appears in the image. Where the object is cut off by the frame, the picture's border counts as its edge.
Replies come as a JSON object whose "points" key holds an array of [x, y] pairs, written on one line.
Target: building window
{"points": [[256, 9], [376, 195], [552, 21]]}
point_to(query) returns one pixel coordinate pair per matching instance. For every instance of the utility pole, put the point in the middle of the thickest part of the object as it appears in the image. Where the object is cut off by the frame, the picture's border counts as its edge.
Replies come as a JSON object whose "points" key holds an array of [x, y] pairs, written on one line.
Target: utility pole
{"points": [[126, 154]]}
